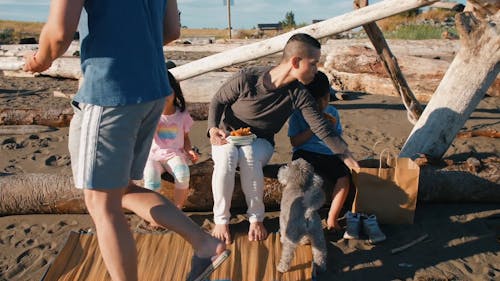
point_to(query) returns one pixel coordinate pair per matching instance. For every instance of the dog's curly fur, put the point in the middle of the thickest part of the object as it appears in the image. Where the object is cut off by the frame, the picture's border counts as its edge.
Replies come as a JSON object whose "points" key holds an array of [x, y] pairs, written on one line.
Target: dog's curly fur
{"points": [[302, 196]]}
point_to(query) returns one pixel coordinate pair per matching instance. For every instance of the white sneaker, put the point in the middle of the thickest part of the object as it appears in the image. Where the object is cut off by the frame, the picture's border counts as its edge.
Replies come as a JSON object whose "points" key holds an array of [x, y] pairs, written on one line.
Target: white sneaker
{"points": [[353, 225], [372, 230]]}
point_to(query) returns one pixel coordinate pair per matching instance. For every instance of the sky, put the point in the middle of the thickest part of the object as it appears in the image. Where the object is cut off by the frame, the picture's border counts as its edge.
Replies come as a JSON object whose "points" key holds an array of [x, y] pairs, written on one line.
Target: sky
{"points": [[245, 14]]}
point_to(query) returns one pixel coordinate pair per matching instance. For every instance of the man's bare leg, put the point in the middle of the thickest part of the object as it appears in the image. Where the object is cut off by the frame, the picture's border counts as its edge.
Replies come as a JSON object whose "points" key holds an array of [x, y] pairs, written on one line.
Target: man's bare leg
{"points": [[155, 208], [115, 239], [340, 192], [257, 231], [221, 232]]}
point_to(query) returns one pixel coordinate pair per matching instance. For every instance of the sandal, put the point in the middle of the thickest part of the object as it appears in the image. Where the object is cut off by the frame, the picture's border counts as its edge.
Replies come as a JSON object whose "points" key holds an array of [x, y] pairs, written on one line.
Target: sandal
{"points": [[201, 268]]}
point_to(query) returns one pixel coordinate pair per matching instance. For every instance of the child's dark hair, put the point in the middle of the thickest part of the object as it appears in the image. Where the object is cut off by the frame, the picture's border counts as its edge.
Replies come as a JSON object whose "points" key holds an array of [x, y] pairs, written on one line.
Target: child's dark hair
{"points": [[176, 87], [320, 86]]}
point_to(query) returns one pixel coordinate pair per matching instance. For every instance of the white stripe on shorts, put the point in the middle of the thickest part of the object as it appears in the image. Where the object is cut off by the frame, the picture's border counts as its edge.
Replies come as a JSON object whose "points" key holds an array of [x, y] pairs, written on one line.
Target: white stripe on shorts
{"points": [[88, 144]]}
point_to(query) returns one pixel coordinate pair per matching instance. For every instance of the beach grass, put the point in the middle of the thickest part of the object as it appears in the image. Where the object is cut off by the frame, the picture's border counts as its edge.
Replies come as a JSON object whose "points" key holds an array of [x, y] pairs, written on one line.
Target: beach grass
{"points": [[418, 32], [11, 32]]}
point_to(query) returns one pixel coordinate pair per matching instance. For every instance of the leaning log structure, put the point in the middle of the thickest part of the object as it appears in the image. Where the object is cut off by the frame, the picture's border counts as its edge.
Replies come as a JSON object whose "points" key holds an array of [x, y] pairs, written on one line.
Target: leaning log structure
{"points": [[469, 76]]}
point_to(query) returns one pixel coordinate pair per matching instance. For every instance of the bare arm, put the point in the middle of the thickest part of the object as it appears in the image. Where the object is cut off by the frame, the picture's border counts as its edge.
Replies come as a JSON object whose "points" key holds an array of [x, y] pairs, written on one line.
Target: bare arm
{"points": [[226, 95], [305, 135], [301, 137], [188, 148], [171, 23], [325, 131], [56, 35]]}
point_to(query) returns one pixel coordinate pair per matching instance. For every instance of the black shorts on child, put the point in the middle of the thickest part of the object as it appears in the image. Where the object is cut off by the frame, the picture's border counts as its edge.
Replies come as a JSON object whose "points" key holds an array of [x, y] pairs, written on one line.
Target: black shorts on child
{"points": [[329, 167]]}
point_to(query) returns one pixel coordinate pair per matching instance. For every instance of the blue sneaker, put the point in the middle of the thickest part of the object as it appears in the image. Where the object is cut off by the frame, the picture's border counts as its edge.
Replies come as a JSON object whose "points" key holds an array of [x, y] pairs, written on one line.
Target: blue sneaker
{"points": [[372, 230], [353, 222]]}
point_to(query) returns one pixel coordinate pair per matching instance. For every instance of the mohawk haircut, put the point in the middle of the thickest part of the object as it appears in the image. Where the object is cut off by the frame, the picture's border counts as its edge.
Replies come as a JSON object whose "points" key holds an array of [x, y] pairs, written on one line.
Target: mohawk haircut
{"points": [[300, 44]]}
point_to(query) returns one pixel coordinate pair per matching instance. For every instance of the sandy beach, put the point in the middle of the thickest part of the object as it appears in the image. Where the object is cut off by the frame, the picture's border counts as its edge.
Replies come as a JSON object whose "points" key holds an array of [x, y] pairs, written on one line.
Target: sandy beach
{"points": [[463, 239]]}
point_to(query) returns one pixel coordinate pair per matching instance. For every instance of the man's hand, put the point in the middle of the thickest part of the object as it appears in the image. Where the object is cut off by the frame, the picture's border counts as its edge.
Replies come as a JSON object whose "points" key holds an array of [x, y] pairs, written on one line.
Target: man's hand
{"points": [[330, 118], [217, 136]]}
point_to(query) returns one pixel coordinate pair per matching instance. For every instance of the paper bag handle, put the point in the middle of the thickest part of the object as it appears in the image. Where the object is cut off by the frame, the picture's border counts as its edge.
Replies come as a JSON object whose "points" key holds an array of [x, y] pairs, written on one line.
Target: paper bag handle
{"points": [[389, 152]]}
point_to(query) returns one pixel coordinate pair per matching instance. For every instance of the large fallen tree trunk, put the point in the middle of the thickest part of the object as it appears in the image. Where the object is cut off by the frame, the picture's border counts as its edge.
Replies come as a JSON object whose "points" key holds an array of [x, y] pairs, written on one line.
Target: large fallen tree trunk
{"points": [[51, 193], [65, 67], [471, 73], [430, 49], [19, 50], [7, 130], [357, 68], [32, 116], [61, 117]]}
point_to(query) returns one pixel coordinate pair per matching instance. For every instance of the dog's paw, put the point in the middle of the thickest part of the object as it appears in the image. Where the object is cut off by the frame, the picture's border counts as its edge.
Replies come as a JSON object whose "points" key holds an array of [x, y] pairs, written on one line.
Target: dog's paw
{"points": [[319, 267], [283, 267], [283, 175], [305, 240]]}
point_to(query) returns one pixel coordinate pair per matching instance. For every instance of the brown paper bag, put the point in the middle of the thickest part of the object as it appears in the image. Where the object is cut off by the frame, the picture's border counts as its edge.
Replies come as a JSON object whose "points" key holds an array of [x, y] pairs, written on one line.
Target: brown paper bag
{"points": [[388, 191]]}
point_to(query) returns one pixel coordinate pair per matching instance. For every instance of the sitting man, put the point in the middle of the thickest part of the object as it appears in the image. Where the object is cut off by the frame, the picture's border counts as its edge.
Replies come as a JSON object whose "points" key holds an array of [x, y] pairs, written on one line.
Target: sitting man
{"points": [[262, 99]]}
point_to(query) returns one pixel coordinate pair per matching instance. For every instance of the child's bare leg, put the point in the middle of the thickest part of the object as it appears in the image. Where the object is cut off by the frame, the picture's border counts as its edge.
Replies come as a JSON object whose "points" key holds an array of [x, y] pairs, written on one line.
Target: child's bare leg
{"points": [[340, 192], [153, 207], [180, 196]]}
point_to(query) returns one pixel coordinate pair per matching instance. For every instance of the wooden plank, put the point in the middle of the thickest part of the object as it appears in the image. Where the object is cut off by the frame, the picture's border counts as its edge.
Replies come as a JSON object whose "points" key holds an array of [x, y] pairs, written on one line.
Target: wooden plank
{"points": [[168, 257]]}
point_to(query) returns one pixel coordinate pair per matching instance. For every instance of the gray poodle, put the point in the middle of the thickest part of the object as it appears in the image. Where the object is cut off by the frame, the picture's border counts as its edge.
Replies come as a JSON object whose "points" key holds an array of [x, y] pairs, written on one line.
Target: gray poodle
{"points": [[302, 196]]}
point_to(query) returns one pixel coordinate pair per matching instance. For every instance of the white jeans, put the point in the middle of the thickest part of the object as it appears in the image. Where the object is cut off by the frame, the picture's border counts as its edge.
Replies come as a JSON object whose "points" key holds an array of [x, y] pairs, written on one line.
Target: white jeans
{"points": [[251, 159]]}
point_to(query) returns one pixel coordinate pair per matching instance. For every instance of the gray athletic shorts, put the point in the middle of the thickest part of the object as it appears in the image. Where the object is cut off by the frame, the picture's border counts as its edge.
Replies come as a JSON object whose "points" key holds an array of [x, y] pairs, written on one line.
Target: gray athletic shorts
{"points": [[109, 146]]}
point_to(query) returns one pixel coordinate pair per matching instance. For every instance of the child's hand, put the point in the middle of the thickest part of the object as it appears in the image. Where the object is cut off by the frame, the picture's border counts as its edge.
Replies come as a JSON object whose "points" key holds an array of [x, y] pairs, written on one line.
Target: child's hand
{"points": [[330, 118], [332, 224], [193, 156]]}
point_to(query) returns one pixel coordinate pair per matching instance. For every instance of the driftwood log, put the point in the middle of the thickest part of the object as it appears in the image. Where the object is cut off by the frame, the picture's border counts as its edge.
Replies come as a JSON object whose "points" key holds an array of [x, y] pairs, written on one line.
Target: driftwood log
{"points": [[33, 116], [490, 133], [390, 63], [52, 193], [471, 73], [358, 68], [62, 117], [65, 67], [8, 130]]}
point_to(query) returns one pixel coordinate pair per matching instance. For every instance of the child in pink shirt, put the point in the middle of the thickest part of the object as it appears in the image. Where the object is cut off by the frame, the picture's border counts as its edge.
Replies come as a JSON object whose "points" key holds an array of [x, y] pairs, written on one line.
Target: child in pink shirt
{"points": [[171, 149]]}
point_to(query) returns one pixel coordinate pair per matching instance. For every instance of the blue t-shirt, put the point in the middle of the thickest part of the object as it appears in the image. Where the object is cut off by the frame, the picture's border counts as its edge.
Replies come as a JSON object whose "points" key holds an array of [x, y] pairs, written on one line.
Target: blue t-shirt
{"points": [[297, 124], [122, 52]]}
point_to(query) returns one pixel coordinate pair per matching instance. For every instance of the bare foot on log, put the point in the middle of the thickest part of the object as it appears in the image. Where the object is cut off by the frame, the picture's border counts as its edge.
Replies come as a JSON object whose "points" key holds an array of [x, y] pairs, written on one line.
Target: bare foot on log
{"points": [[257, 232], [221, 232]]}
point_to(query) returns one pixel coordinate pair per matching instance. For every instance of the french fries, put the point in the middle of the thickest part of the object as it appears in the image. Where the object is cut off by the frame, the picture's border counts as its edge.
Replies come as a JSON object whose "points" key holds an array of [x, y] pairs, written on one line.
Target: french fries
{"points": [[241, 132]]}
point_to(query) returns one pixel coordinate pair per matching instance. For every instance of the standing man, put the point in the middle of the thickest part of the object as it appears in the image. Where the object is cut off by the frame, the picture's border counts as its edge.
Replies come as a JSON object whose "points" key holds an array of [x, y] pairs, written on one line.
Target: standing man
{"points": [[262, 99], [116, 112]]}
